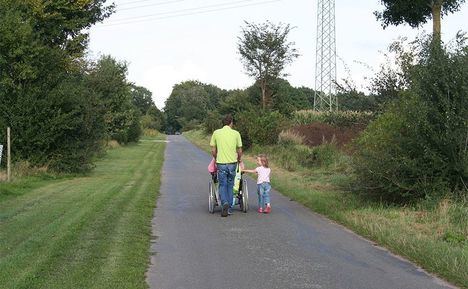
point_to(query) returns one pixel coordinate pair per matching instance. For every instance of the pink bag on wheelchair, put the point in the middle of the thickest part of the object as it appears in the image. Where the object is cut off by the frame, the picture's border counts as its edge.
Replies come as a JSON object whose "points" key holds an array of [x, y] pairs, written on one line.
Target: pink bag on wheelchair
{"points": [[212, 167]]}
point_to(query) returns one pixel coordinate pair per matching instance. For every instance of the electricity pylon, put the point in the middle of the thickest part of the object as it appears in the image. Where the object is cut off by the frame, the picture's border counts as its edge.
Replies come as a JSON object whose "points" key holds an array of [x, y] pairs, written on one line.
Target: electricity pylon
{"points": [[325, 65]]}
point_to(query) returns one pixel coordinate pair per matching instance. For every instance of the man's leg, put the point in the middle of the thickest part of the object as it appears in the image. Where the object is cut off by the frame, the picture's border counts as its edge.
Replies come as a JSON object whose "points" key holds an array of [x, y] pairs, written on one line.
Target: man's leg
{"points": [[231, 168], [223, 185]]}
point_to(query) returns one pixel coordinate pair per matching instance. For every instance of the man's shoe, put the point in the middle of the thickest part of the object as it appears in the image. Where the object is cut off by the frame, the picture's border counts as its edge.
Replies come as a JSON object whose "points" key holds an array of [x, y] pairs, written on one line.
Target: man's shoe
{"points": [[224, 211], [230, 211]]}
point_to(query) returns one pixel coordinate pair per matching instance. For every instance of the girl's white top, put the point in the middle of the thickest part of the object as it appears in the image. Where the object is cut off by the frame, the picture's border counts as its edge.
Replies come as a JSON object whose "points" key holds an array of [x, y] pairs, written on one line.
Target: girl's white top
{"points": [[263, 175]]}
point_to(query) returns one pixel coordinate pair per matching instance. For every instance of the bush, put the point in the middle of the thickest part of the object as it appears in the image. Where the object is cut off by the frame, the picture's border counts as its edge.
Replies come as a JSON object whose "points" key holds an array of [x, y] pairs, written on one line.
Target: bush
{"points": [[260, 127], [124, 126], [150, 132], [323, 155], [292, 157], [134, 129], [417, 148], [59, 126], [392, 159], [150, 122]]}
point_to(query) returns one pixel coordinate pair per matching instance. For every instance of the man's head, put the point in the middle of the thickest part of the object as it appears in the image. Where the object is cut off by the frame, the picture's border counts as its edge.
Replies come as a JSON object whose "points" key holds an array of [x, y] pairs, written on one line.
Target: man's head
{"points": [[228, 120]]}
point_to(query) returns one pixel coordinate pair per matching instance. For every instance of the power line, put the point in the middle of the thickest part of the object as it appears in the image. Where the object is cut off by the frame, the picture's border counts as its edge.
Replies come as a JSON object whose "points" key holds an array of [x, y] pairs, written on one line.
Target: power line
{"points": [[186, 10], [190, 11], [149, 5], [138, 1]]}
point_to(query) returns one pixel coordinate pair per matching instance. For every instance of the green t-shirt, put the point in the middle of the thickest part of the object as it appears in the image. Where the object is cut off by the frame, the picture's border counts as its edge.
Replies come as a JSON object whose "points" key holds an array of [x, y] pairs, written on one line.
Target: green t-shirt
{"points": [[226, 140]]}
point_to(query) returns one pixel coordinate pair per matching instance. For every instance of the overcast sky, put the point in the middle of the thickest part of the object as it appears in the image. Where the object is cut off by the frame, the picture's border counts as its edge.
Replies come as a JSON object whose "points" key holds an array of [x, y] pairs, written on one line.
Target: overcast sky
{"points": [[202, 46]]}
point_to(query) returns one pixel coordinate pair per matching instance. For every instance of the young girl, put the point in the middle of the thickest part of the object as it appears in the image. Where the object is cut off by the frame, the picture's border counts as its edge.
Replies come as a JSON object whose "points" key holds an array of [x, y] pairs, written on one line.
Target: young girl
{"points": [[263, 184]]}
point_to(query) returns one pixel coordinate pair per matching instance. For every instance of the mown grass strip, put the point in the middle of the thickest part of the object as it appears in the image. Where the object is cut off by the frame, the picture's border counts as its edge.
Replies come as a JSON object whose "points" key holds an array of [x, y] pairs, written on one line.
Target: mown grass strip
{"points": [[83, 232], [407, 231]]}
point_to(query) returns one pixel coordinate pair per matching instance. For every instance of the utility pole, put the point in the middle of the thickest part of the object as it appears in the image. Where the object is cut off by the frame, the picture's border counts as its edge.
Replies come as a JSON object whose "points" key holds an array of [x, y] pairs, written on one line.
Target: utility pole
{"points": [[325, 65]]}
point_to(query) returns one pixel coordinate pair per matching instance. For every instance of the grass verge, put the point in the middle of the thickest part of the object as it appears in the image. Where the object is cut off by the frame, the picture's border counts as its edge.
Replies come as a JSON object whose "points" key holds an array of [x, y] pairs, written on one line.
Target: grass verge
{"points": [[432, 235], [88, 231]]}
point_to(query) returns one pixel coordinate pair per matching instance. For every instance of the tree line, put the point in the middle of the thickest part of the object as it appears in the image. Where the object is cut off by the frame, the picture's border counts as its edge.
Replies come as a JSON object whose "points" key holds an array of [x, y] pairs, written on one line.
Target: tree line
{"points": [[62, 107], [415, 148]]}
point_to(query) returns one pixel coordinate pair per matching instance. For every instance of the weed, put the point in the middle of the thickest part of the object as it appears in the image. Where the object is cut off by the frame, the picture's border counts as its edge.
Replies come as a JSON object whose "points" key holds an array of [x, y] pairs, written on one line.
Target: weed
{"points": [[289, 137]]}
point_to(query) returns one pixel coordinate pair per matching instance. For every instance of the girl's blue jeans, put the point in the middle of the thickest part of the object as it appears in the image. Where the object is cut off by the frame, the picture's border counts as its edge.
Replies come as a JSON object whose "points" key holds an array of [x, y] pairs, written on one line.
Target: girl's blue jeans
{"points": [[263, 191]]}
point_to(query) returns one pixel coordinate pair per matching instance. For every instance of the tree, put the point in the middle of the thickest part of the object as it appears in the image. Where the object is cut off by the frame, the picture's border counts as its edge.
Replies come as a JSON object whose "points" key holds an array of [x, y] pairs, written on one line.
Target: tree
{"points": [[141, 98], [418, 147], [265, 51], [236, 101], [287, 98], [356, 101], [153, 119], [395, 74], [44, 95], [63, 23], [189, 103], [417, 12], [109, 81]]}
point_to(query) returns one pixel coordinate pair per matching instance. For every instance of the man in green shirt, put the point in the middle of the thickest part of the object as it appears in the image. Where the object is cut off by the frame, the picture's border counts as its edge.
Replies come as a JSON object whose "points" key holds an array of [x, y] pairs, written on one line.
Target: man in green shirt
{"points": [[226, 148]]}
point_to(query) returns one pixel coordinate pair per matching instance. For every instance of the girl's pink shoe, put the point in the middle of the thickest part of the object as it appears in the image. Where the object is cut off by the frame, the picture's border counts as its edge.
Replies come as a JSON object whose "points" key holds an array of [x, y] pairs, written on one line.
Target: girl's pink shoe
{"points": [[267, 209], [260, 210]]}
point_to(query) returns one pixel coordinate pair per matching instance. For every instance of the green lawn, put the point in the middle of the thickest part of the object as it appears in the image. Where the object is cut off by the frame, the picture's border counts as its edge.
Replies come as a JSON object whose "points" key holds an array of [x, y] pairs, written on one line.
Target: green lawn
{"points": [[88, 231], [435, 238]]}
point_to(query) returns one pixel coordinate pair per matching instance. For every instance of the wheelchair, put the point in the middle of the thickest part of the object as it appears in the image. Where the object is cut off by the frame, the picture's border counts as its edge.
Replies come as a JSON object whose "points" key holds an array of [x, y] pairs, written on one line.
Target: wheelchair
{"points": [[241, 198]]}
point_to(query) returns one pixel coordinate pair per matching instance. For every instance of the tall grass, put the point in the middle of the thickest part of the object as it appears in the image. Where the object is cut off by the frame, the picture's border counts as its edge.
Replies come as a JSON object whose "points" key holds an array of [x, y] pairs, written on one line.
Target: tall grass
{"points": [[289, 137], [335, 118], [25, 169], [149, 132]]}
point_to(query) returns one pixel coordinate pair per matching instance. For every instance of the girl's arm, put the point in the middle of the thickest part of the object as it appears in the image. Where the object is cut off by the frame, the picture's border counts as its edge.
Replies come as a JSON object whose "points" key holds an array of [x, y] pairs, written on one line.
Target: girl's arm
{"points": [[249, 171]]}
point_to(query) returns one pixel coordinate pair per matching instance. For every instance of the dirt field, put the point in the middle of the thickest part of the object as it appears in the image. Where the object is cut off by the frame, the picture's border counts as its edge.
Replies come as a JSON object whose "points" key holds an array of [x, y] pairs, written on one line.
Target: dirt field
{"points": [[317, 133]]}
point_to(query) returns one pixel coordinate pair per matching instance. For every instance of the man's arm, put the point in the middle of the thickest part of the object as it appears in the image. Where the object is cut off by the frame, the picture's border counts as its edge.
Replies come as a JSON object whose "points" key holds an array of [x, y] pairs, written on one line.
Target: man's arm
{"points": [[214, 152], [239, 154], [239, 147]]}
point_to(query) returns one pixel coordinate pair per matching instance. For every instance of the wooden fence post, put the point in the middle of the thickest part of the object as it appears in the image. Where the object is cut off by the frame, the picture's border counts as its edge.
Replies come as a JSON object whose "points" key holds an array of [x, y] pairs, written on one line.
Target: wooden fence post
{"points": [[9, 155]]}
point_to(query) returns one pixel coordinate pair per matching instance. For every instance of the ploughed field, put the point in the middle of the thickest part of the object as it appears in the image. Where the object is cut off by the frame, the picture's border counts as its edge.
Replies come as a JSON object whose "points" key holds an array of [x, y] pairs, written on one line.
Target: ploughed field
{"points": [[318, 133]]}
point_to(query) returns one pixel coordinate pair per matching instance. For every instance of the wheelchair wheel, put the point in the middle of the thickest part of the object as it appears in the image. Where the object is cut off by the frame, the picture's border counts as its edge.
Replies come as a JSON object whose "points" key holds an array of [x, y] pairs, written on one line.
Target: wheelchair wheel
{"points": [[245, 197], [211, 198]]}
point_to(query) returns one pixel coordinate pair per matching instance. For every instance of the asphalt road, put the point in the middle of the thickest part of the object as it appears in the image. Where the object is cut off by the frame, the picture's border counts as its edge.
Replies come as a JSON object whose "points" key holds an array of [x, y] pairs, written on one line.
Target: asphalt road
{"points": [[290, 248]]}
